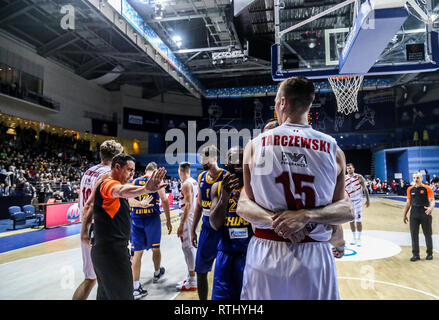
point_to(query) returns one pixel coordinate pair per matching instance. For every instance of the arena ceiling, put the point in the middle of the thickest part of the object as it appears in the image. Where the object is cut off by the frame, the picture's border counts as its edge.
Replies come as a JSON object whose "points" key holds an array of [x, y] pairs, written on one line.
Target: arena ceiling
{"points": [[96, 47]]}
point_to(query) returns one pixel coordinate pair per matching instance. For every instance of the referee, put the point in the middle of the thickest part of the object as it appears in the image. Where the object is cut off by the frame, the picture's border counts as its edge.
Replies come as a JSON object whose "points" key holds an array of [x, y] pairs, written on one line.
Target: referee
{"points": [[110, 210], [420, 199]]}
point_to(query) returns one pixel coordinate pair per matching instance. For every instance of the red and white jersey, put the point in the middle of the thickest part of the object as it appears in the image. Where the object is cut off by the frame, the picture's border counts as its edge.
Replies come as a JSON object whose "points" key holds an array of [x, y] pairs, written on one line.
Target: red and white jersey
{"points": [[353, 187], [295, 167], [194, 185], [88, 182]]}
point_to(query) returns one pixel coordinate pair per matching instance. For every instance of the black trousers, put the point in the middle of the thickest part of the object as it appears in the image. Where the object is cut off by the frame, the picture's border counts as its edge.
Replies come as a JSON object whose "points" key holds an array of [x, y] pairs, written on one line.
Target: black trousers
{"points": [[417, 219], [111, 261]]}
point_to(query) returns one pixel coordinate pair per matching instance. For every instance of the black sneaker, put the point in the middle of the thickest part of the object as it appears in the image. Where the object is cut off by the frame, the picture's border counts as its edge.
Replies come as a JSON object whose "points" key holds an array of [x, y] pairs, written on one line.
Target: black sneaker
{"points": [[415, 258], [429, 257], [160, 275], [140, 293]]}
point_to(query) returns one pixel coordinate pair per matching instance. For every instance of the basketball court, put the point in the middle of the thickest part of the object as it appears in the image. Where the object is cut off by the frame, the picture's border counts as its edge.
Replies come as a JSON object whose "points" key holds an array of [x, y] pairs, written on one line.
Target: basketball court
{"points": [[378, 270], [368, 48]]}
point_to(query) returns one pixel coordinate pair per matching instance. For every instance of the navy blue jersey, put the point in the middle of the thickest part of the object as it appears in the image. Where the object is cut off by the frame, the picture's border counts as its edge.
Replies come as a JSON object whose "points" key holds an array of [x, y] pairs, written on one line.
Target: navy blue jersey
{"points": [[236, 232], [138, 212], [205, 187]]}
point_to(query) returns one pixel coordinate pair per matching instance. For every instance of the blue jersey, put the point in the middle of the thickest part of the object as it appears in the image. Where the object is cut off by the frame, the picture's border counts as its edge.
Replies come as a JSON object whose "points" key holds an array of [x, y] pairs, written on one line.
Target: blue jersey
{"points": [[205, 187], [140, 213], [236, 232]]}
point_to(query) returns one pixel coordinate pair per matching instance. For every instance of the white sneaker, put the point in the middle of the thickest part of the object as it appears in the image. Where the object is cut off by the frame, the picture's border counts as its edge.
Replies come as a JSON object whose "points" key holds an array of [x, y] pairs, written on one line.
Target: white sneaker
{"points": [[187, 285]]}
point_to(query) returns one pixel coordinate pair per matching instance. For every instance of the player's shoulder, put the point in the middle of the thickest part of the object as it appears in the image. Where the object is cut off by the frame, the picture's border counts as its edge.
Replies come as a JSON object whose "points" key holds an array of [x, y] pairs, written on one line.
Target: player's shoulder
{"points": [[323, 136], [202, 174]]}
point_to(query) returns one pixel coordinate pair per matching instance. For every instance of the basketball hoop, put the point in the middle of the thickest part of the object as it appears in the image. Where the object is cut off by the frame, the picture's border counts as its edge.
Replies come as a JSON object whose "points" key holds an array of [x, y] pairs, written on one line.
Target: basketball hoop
{"points": [[346, 91]]}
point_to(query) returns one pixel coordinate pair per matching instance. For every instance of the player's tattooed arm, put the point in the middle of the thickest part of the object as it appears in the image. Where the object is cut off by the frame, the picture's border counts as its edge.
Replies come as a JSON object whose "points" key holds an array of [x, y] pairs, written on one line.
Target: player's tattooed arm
{"points": [[363, 184], [218, 207], [165, 203], [196, 219]]}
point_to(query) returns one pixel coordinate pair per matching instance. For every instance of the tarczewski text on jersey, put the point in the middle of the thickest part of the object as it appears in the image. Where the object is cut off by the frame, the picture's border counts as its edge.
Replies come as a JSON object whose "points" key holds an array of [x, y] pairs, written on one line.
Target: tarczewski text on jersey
{"points": [[298, 163]]}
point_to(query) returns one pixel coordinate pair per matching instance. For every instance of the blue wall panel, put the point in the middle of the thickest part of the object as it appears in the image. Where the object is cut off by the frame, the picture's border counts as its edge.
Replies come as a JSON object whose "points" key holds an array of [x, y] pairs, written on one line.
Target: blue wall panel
{"points": [[410, 160]]}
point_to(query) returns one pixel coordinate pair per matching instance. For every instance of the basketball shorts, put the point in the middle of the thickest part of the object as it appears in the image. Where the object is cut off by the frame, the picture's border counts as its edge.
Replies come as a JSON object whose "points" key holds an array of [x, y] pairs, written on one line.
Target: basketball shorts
{"points": [[277, 270], [87, 264], [186, 242], [358, 210], [146, 233], [227, 280], [207, 247]]}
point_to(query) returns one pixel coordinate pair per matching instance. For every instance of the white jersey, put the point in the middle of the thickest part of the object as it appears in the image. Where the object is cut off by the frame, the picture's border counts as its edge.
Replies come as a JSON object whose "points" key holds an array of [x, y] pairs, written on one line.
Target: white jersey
{"points": [[295, 167], [194, 185], [88, 182], [353, 187]]}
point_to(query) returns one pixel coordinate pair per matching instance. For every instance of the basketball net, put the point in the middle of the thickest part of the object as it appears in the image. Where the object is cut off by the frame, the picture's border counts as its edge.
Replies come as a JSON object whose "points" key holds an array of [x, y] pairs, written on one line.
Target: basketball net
{"points": [[346, 91]]}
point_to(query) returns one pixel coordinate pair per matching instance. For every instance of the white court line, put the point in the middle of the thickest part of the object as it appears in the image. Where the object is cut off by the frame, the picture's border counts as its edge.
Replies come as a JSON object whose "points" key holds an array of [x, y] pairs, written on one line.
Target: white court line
{"points": [[392, 284], [175, 296]]}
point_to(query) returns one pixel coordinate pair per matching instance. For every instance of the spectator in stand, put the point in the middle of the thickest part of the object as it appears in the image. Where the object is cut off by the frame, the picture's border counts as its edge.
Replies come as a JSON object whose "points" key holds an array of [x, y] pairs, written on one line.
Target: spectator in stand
{"points": [[434, 179], [394, 186], [57, 196], [385, 187], [13, 190], [2, 190], [67, 191], [48, 192], [28, 189]]}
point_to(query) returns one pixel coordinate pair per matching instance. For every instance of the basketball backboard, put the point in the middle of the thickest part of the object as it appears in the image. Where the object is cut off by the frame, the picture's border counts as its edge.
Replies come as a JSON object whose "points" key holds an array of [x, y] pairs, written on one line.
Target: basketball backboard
{"points": [[312, 42]]}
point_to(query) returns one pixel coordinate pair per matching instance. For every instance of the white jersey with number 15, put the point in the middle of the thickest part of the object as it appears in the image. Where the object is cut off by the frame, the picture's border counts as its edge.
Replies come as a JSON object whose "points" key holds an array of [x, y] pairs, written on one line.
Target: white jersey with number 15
{"points": [[295, 167]]}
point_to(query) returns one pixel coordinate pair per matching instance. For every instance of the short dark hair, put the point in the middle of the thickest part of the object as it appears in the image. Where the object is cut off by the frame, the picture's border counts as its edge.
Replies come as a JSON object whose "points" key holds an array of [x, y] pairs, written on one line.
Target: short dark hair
{"points": [[151, 166], [121, 159], [299, 92], [185, 167], [350, 165]]}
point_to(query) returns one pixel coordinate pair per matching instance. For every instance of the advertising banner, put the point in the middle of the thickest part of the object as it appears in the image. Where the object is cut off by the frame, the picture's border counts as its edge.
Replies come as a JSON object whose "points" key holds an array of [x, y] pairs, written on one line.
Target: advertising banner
{"points": [[62, 214]]}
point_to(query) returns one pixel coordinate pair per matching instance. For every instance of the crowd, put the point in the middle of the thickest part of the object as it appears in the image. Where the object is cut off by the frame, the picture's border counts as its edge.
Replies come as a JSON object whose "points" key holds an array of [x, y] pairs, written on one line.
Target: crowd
{"points": [[399, 187], [48, 167]]}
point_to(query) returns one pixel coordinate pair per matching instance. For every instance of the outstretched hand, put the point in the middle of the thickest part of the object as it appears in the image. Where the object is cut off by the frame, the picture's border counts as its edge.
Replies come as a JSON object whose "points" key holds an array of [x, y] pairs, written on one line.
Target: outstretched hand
{"points": [[155, 182]]}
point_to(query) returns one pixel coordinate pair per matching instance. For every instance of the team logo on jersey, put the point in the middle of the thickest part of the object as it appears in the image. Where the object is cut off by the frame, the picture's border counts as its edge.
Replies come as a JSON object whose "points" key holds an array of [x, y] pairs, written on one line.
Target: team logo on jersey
{"points": [[295, 159], [238, 233]]}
